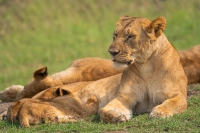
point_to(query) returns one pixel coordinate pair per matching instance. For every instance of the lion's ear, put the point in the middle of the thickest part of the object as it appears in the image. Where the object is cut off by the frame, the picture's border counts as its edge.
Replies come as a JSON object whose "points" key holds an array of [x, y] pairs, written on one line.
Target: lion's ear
{"points": [[40, 73], [61, 92], [157, 26]]}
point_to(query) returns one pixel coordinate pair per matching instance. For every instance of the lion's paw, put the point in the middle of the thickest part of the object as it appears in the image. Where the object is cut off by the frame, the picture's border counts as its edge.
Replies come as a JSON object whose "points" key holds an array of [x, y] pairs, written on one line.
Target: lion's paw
{"points": [[112, 116], [160, 112], [92, 100]]}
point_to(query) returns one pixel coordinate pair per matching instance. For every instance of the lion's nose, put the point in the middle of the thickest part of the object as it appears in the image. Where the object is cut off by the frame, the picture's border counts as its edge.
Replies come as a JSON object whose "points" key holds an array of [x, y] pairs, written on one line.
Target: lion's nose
{"points": [[113, 52]]}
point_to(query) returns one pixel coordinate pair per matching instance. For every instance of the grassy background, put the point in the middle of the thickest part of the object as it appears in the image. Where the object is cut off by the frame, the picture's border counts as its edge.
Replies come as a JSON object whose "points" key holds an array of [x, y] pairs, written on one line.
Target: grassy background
{"points": [[36, 33]]}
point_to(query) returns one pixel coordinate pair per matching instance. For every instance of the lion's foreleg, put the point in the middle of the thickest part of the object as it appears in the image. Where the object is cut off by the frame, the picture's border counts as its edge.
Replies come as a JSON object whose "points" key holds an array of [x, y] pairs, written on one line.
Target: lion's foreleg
{"points": [[169, 107], [23, 119], [118, 110]]}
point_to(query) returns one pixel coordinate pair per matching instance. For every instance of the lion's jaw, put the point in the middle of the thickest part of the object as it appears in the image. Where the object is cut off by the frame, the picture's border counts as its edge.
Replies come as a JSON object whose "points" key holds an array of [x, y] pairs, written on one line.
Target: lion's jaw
{"points": [[123, 63]]}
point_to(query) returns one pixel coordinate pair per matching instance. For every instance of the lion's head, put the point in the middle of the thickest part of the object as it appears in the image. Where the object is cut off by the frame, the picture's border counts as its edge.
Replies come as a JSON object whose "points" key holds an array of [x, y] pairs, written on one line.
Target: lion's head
{"points": [[134, 39]]}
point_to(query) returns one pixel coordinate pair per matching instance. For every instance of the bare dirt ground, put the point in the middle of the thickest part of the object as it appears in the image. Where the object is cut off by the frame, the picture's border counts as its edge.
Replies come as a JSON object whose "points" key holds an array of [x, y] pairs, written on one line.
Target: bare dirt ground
{"points": [[193, 89]]}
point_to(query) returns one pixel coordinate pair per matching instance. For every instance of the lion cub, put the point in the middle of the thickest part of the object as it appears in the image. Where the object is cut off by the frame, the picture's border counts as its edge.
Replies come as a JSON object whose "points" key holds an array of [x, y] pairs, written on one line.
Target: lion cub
{"points": [[64, 108]]}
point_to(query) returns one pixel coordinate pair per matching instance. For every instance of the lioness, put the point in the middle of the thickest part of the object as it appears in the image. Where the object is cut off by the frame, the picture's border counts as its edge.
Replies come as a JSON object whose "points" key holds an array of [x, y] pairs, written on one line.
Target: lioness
{"points": [[153, 79]]}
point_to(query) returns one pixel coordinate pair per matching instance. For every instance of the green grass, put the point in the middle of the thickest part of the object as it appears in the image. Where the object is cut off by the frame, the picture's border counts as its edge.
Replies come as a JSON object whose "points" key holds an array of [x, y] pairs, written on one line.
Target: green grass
{"points": [[186, 122], [35, 33], [54, 33], [197, 88]]}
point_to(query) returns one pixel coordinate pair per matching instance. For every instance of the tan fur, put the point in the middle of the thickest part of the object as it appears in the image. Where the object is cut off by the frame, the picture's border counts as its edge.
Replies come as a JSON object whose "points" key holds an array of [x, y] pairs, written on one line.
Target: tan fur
{"points": [[59, 109], [41, 81], [80, 101], [104, 90], [87, 69], [33, 112], [153, 80], [50, 93], [190, 59]]}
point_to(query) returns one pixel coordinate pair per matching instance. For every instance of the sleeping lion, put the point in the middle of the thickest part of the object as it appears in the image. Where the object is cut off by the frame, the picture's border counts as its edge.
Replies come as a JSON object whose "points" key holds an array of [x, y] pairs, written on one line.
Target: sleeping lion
{"points": [[62, 106], [150, 78]]}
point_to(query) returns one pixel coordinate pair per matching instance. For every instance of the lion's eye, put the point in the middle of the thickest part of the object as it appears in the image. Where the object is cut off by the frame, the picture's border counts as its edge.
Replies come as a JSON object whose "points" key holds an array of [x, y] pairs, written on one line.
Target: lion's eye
{"points": [[130, 37]]}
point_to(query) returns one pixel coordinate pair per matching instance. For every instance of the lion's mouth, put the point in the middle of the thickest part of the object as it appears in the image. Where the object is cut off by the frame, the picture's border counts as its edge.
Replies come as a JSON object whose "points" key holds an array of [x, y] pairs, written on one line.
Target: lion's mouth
{"points": [[123, 62]]}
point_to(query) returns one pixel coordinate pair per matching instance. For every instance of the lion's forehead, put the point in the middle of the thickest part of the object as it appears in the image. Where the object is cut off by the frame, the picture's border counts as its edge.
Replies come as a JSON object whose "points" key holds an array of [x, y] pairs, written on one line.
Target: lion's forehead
{"points": [[124, 20], [132, 23]]}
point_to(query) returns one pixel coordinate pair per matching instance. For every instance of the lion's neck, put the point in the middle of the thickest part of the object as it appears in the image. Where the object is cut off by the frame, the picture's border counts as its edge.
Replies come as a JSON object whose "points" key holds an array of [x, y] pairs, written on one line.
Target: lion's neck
{"points": [[162, 44], [161, 57], [163, 49]]}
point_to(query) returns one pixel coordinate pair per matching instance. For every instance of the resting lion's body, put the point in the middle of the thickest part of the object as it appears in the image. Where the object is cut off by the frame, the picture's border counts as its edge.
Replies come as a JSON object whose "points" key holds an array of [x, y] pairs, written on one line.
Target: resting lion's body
{"points": [[87, 69], [190, 60], [55, 105], [153, 79]]}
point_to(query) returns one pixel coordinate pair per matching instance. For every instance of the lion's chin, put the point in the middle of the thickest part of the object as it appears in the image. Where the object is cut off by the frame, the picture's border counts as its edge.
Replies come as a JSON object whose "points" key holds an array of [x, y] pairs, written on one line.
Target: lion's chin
{"points": [[122, 65]]}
